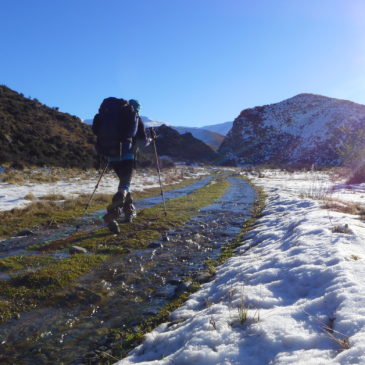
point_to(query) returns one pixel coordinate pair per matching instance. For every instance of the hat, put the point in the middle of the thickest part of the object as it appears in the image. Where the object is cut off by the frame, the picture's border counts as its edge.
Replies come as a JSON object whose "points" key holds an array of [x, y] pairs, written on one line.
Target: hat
{"points": [[135, 104]]}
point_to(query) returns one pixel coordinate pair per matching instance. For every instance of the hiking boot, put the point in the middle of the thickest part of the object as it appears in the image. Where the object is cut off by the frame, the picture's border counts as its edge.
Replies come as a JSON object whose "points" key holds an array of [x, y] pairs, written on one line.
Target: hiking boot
{"points": [[114, 210], [129, 209], [129, 217], [114, 227], [117, 201], [112, 215]]}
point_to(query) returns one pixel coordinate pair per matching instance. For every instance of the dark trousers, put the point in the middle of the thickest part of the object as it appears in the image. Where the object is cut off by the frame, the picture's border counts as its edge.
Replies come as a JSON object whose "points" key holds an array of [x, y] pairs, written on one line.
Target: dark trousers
{"points": [[124, 170]]}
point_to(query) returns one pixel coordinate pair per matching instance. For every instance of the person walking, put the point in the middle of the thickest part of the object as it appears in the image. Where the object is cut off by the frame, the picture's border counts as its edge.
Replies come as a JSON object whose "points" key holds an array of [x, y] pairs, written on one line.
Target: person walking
{"points": [[119, 130]]}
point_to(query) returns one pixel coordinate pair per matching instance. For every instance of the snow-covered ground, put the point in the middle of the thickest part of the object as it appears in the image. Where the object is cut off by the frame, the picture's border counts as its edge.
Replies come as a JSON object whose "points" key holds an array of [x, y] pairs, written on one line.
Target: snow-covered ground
{"points": [[13, 195], [297, 278]]}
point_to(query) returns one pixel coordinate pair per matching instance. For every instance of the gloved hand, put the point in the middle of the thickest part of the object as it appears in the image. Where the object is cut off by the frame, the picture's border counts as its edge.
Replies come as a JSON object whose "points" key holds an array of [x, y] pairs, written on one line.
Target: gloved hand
{"points": [[148, 141]]}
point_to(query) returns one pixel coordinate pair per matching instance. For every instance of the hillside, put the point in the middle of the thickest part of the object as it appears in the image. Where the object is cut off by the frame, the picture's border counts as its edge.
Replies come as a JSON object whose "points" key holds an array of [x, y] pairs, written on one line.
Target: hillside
{"points": [[303, 130], [209, 137], [183, 147], [33, 133], [212, 139]]}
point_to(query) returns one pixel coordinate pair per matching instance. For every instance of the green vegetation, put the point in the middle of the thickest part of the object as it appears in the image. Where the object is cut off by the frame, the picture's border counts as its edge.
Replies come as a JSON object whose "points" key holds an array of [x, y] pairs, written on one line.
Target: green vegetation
{"points": [[27, 290], [51, 212], [150, 224], [47, 213], [17, 263]]}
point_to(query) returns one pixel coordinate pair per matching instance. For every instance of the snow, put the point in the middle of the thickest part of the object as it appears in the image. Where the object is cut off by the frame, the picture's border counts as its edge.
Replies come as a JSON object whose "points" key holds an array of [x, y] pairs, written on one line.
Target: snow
{"points": [[301, 281], [12, 195]]}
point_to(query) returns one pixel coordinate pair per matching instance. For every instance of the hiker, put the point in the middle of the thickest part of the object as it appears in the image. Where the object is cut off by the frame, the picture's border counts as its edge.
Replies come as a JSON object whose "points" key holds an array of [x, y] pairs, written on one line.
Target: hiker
{"points": [[119, 129]]}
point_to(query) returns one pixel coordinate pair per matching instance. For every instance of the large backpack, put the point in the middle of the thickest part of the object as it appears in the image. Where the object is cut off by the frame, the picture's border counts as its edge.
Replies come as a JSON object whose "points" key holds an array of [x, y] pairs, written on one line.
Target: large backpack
{"points": [[116, 122]]}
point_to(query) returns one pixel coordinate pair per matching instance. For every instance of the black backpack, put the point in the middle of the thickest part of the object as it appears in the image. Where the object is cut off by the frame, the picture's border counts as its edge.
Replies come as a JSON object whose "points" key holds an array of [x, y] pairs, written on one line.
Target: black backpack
{"points": [[116, 122]]}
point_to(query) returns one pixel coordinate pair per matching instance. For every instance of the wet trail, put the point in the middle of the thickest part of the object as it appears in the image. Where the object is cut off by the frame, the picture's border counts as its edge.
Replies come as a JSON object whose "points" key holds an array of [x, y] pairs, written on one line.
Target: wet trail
{"points": [[78, 329], [17, 245]]}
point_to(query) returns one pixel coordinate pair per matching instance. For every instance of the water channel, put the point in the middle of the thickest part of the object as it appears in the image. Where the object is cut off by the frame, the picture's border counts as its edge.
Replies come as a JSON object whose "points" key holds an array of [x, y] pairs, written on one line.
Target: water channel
{"points": [[78, 330]]}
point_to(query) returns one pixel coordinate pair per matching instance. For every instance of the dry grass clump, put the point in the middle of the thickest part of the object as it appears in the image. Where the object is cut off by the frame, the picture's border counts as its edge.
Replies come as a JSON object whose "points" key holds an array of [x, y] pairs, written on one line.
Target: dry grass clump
{"points": [[44, 175], [172, 177], [343, 207], [30, 196], [53, 197], [341, 339], [46, 211], [13, 177], [341, 229]]}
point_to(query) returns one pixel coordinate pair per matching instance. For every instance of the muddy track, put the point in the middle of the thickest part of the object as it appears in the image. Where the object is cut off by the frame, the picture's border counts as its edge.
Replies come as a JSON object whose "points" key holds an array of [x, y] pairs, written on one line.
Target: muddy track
{"points": [[79, 329]]}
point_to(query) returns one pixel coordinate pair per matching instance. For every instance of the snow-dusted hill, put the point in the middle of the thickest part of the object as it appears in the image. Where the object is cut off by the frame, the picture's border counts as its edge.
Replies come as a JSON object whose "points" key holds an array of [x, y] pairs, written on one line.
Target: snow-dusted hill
{"points": [[152, 123], [221, 128], [210, 138], [304, 129]]}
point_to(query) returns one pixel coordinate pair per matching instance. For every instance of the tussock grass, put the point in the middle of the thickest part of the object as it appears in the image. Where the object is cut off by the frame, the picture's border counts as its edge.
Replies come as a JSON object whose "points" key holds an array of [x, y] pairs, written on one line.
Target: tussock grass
{"points": [[343, 206], [38, 175], [13, 177], [30, 196], [53, 197]]}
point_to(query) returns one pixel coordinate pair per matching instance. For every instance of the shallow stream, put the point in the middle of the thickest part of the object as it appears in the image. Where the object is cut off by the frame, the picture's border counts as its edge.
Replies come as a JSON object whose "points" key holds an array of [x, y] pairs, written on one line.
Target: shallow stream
{"points": [[126, 289], [17, 245]]}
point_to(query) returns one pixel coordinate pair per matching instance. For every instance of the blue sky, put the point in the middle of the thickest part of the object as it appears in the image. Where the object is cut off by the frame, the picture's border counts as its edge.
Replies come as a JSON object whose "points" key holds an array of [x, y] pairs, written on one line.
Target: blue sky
{"points": [[189, 62]]}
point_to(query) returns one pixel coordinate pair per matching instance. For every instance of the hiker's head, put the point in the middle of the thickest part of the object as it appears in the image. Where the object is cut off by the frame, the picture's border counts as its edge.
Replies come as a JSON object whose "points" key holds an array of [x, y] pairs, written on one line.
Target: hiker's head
{"points": [[135, 104]]}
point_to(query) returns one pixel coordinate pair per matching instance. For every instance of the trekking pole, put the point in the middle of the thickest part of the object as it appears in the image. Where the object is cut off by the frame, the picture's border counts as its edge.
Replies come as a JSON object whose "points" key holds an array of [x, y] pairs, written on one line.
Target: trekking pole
{"points": [[153, 136], [96, 186]]}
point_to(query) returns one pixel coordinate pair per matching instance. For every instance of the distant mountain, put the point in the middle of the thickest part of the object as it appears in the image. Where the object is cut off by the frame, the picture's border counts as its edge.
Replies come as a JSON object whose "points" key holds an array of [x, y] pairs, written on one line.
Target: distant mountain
{"points": [[183, 147], [303, 130], [222, 128], [33, 133], [152, 123], [212, 139]]}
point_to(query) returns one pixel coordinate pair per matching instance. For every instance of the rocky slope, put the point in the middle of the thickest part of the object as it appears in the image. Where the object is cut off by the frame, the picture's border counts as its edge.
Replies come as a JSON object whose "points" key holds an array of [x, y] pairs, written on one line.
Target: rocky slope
{"points": [[303, 130]]}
